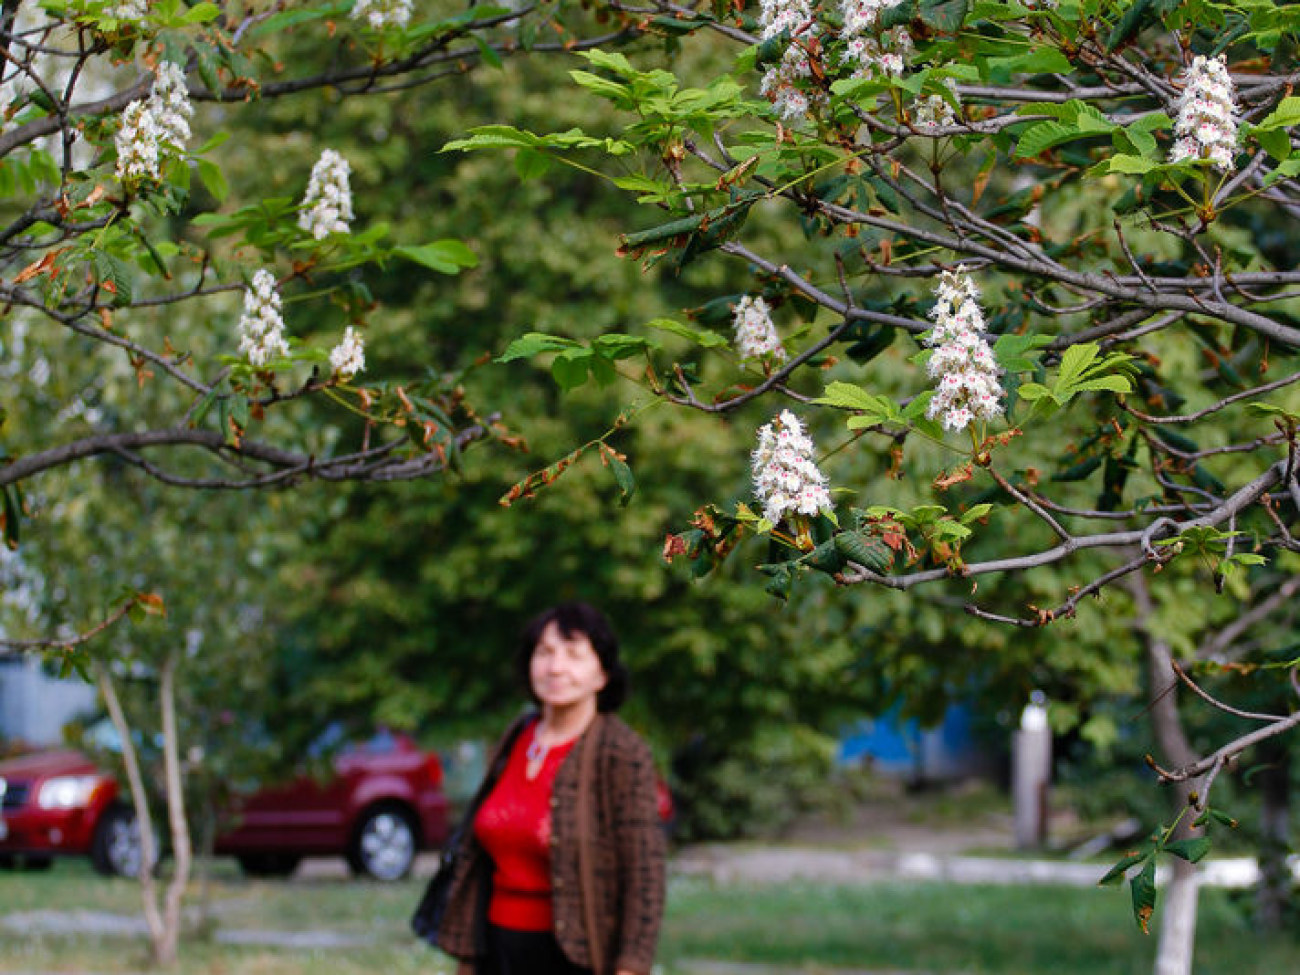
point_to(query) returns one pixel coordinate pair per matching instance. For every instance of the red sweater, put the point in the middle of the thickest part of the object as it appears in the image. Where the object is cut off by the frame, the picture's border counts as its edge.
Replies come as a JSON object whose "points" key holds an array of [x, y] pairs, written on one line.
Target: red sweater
{"points": [[514, 826]]}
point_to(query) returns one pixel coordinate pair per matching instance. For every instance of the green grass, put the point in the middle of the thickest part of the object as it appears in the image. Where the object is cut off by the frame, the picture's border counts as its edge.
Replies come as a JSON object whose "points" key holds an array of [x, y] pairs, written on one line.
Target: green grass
{"points": [[927, 927]]}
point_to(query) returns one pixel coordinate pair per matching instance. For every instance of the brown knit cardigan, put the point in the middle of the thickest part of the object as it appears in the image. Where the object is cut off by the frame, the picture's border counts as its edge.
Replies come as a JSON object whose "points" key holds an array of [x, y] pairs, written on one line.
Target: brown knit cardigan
{"points": [[628, 856]]}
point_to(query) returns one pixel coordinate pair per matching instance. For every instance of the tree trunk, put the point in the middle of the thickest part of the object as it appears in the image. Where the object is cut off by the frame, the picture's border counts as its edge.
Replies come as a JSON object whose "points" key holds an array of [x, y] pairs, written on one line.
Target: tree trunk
{"points": [[140, 802], [1178, 912], [181, 846]]}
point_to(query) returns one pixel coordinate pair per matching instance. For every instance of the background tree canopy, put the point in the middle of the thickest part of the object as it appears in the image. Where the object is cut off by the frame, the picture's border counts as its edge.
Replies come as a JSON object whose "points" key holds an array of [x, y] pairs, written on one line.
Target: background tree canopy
{"points": [[1027, 292]]}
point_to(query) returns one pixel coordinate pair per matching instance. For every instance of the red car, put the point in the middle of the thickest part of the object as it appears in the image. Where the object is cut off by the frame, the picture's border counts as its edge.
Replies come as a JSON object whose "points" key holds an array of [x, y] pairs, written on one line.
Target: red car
{"points": [[383, 804]]}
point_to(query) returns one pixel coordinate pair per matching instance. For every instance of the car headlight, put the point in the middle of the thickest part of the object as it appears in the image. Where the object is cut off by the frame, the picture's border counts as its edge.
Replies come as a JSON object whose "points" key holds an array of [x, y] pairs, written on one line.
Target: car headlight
{"points": [[67, 791]]}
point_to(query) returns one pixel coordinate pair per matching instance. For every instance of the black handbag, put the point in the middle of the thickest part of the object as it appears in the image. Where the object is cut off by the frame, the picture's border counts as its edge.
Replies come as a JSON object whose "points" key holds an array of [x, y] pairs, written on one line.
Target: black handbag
{"points": [[428, 915]]}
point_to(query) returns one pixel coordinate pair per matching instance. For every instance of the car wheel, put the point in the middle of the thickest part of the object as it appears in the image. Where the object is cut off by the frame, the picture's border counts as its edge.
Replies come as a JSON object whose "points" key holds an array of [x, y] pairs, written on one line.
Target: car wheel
{"points": [[115, 849], [384, 845], [268, 864]]}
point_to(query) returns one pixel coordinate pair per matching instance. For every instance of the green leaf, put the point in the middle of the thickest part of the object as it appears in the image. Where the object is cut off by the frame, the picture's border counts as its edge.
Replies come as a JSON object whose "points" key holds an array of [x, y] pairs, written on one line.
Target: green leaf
{"points": [[1284, 116], [114, 275], [535, 343], [487, 52], [944, 15], [1011, 351], [1143, 886], [494, 137], [1131, 165], [865, 549], [707, 338], [444, 256], [1115, 384], [846, 396], [618, 346], [213, 179], [572, 367], [1276, 143], [623, 476], [976, 512], [13, 510], [1192, 850], [1128, 25], [202, 13], [530, 164], [1116, 873]]}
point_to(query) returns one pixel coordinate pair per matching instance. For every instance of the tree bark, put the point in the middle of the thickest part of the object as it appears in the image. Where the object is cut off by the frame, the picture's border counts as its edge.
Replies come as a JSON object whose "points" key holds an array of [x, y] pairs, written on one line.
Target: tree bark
{"points": [[1178, 913], [140, 802], [181, 845]]}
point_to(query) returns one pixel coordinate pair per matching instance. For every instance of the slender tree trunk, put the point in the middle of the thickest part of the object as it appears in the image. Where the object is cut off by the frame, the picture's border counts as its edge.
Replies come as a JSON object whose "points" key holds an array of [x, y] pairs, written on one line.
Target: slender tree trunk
{"points": [[140, 802], [1178, 912], [163, 922], [181, 845]]}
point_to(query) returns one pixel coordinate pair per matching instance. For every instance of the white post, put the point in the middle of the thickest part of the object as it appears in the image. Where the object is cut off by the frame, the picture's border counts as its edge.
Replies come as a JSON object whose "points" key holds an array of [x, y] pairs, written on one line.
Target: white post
{"points": [[1031, 771]]}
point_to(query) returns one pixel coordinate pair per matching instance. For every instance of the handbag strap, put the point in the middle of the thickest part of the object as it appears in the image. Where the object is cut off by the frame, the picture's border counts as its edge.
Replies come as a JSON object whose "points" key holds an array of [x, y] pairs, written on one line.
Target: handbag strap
{"points": [[586, 840]]}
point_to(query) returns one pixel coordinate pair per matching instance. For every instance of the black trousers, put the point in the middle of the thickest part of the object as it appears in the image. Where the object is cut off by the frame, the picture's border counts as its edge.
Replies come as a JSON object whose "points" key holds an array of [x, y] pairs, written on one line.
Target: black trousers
{"points": [[527, 953]]}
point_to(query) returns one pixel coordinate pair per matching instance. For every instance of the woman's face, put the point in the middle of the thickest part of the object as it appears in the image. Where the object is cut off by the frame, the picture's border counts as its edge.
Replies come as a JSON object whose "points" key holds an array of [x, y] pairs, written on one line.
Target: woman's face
{"points": [[565, 670]]}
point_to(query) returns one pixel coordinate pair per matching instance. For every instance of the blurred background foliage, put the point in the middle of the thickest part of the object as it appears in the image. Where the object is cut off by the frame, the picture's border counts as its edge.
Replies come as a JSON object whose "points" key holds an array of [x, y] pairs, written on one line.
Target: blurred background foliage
{"points": [[399, 605]]}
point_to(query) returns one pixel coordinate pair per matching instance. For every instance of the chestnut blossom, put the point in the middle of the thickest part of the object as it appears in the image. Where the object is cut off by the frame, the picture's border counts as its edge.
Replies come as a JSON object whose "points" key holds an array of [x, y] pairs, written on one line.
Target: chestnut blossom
{"points": [[261, 327], [138, 143], [786, 479], [962, 361], [868, 50], [170, 103], [1206, 126], [862, 16], [756, 336], [383, 13], [776, 16], [348, 357], [154, 126], [781, 84], [127, 10], [327, 207], [878, 57], [935, 111]]}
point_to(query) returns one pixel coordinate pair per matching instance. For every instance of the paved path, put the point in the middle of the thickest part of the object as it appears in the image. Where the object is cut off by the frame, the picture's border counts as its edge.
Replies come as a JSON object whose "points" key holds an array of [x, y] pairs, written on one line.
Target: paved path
{"points": [[727, 864]]}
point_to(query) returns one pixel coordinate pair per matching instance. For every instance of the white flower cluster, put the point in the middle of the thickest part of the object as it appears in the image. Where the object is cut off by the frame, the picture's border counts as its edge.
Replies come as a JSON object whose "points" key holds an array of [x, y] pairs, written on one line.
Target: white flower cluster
{"points": [[862, 16], [962, 362], [127, 9], [348, 357], [261, 327], [781, 84], [786, 480], [1207, 115], [935, 111], [327, 207], [870, 51], [776, 16], [383, 13], [756, 336], [155, 125], [170, 102]]}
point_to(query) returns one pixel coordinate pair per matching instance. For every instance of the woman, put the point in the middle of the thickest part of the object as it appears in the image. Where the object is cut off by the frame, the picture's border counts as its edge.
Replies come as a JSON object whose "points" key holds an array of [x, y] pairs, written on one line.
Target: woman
{"points": [[563, 870]]}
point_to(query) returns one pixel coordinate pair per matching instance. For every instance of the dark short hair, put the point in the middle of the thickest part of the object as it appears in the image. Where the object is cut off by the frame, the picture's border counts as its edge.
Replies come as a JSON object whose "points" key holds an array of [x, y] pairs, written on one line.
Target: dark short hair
{"points": [[575, 618]]}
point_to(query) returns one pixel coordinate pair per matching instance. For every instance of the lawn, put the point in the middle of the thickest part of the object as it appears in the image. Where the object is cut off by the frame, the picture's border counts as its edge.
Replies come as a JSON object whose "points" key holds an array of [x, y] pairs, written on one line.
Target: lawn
{"points": [[925, 927]]}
